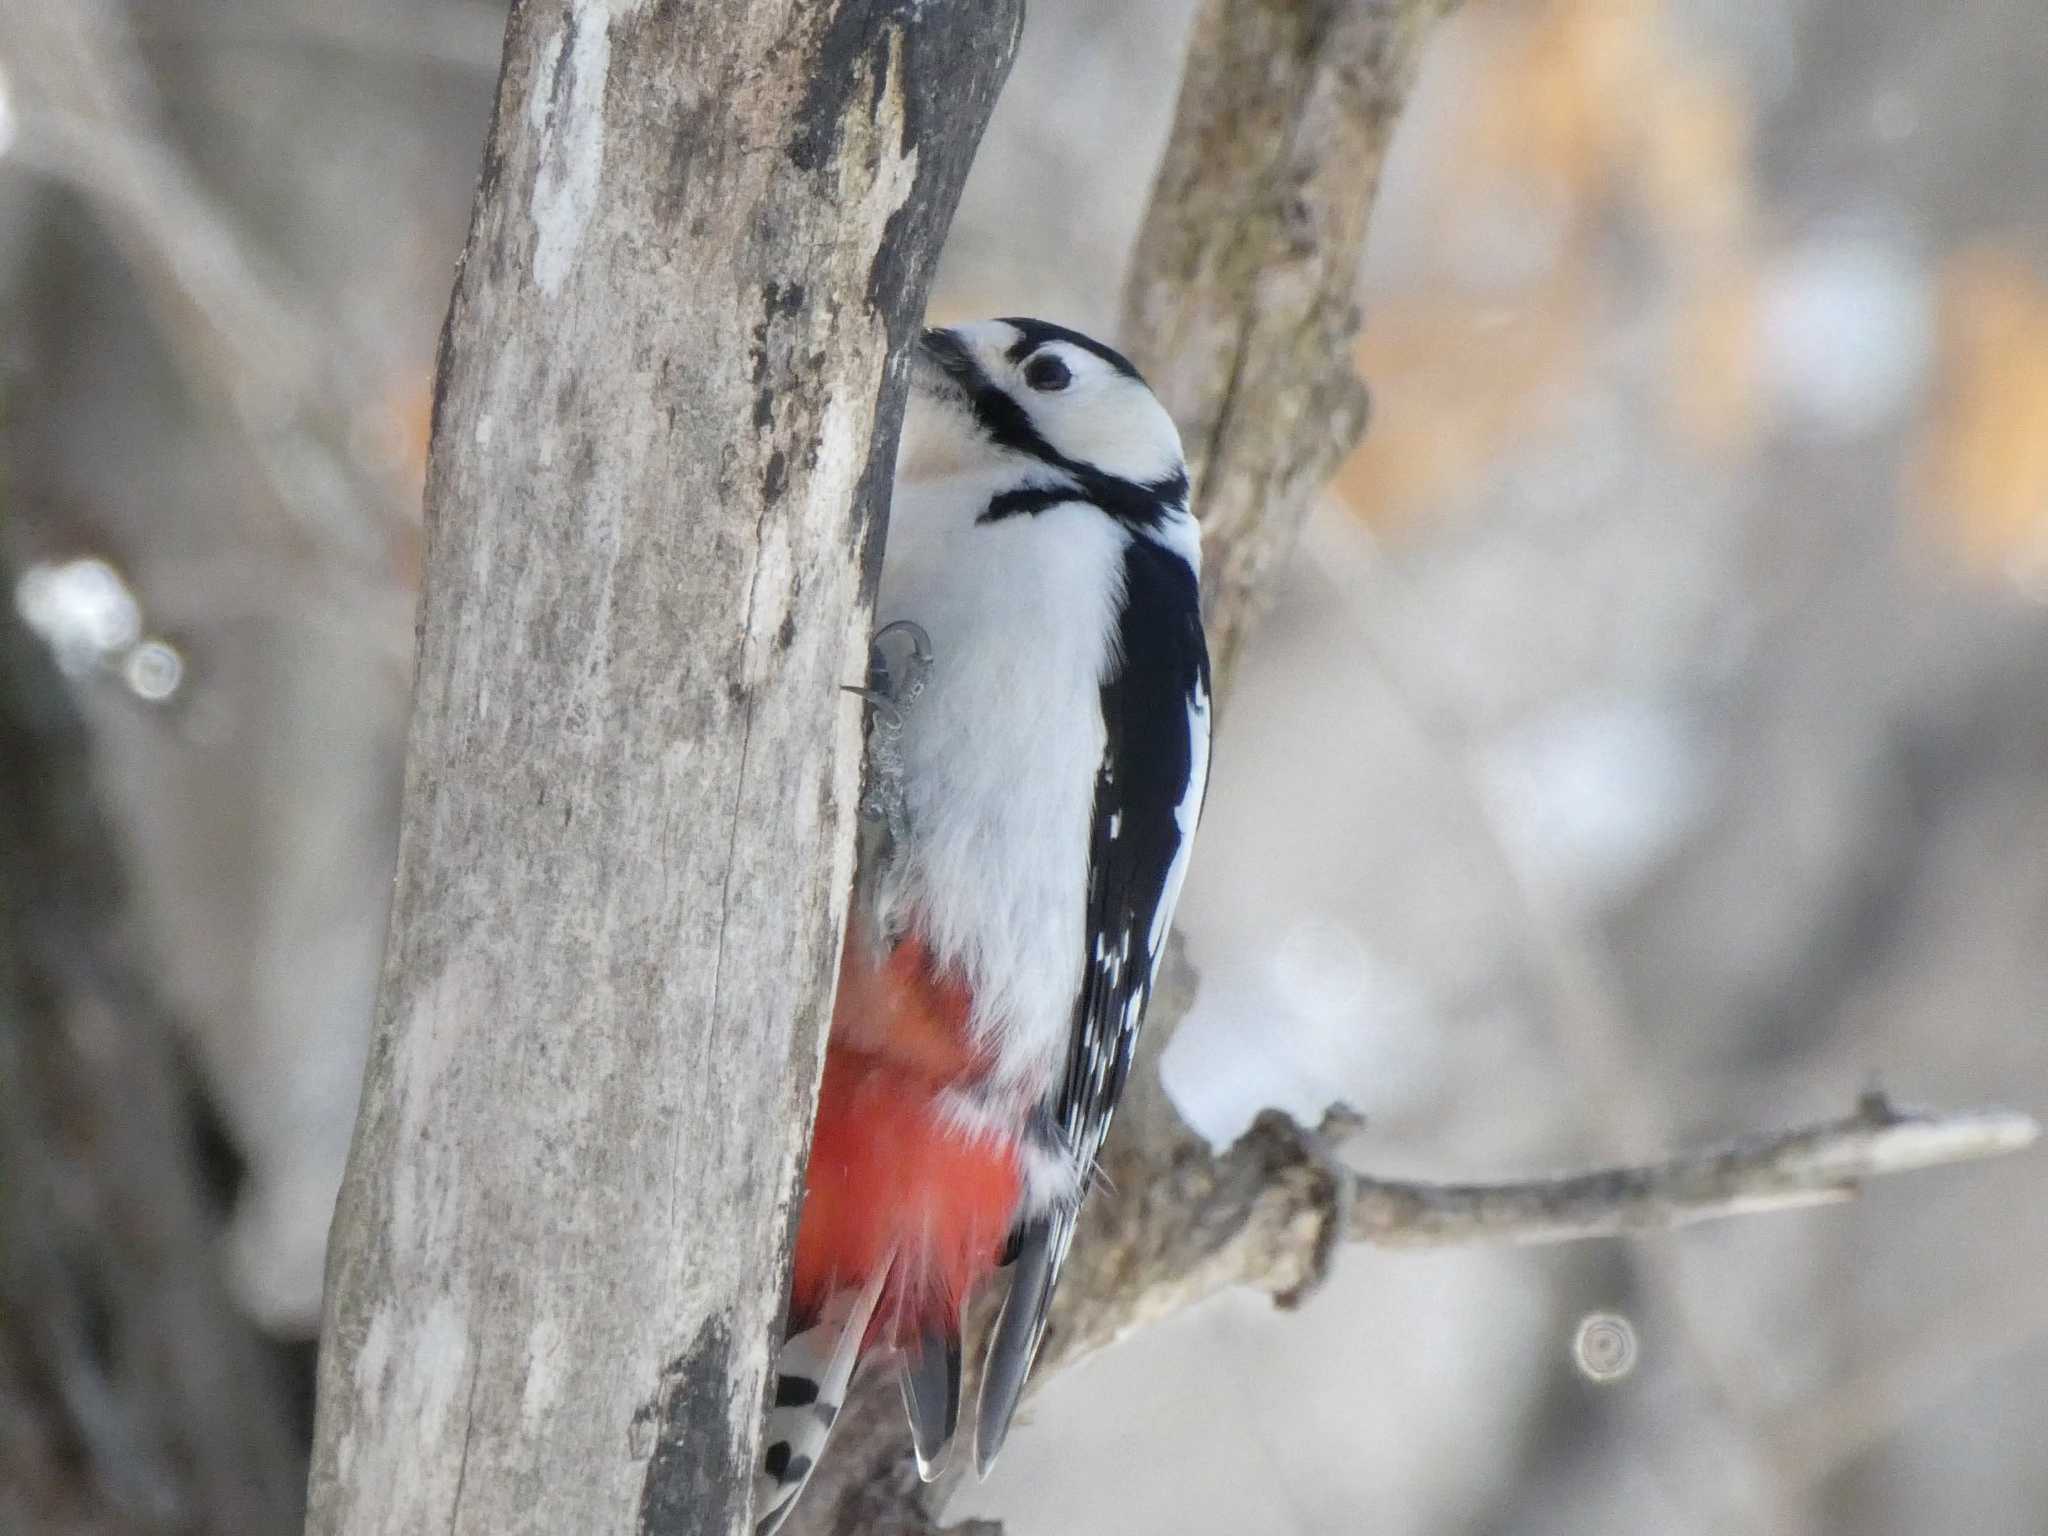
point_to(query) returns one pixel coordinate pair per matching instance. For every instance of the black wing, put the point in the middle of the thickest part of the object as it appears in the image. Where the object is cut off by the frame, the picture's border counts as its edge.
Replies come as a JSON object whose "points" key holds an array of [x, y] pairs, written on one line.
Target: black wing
{"points": [[1148, 797]]}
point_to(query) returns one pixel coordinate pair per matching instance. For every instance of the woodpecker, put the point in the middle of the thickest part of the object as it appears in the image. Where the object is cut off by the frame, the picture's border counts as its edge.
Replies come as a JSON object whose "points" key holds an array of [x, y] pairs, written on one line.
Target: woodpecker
{"points": [[1038, 755]]}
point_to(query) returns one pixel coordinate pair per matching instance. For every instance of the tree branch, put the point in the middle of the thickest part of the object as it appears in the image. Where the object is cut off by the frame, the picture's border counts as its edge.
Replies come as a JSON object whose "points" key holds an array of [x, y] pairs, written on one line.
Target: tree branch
{"points": [[1272, 1210], [1180, 1224], [1242, 304], [1787, 1170]]}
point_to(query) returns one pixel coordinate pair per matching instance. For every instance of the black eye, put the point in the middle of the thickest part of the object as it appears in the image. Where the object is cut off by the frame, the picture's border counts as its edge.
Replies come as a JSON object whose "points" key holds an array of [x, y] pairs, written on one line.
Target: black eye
{"points": [[1047, 374]]}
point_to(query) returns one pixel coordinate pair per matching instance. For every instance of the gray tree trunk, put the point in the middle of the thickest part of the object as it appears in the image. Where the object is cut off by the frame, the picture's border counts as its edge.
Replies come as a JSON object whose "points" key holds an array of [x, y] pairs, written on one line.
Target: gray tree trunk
{"points": [[664, 424]]}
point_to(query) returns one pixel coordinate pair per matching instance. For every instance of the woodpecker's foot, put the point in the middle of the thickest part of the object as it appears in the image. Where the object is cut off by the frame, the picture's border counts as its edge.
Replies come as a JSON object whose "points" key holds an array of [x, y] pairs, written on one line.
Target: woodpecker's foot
{"points": [[894, 687], [890, 694]]}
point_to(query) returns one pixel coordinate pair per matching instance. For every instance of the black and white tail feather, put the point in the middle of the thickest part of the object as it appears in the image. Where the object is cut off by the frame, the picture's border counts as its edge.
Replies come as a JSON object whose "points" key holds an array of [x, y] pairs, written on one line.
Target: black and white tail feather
{"points": [[813, 1371]]}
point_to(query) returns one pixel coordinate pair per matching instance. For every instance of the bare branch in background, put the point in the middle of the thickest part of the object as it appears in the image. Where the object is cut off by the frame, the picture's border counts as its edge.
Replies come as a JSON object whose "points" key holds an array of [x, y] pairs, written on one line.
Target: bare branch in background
{"points": [[1783, 1171], [1271, 1212], [1242, 303], [1242, 307]]}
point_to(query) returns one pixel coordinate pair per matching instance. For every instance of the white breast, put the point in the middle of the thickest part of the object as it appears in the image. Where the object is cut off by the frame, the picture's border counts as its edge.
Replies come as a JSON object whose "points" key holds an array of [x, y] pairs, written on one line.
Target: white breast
{"points": [[1001, 751]]}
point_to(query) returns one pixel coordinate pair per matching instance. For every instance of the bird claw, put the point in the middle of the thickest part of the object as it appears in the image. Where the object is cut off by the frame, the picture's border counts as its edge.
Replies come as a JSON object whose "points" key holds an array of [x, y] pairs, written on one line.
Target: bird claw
{"points": [[881, 703], [917, 666], [890, 694]]}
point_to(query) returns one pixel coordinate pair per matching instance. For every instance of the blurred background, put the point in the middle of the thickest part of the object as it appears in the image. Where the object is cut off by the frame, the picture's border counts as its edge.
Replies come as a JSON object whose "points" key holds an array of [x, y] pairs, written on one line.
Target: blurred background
{"points": [[1650, 742]]}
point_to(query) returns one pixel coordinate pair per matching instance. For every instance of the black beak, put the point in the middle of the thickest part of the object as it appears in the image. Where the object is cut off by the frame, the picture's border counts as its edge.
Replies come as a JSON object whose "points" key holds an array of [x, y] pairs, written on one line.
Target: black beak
{"points": [[949, 354]]}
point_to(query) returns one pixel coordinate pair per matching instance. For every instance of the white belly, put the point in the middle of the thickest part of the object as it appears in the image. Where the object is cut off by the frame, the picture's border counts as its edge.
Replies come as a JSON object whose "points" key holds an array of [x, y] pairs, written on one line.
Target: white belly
{"points": [[1000, 754]]}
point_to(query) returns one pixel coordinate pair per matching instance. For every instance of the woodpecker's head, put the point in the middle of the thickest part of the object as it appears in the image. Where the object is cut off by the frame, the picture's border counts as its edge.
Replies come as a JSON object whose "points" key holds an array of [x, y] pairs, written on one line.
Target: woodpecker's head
{"points": [[1060, 406]]}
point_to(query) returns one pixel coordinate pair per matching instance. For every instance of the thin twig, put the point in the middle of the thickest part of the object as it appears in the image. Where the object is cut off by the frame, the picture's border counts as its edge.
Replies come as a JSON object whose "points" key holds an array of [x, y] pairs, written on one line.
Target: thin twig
{"points": [[1815, 1165]]}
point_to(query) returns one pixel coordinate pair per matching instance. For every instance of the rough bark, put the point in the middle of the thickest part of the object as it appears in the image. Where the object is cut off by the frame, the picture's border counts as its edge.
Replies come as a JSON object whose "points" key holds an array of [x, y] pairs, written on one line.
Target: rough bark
{"points": [[663, 427], [133, 1396]]}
